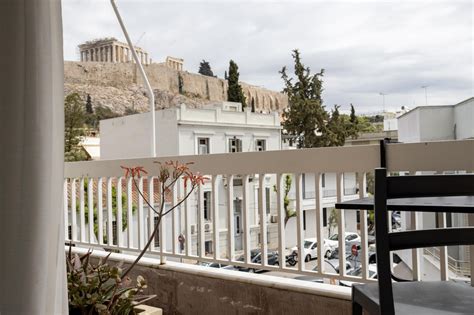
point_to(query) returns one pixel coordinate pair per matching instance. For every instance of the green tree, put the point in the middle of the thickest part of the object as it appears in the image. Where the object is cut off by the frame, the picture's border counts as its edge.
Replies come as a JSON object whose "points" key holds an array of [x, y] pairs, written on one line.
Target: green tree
{"points": [[305, 119], [205, 68], [353, 125], [89, 108], [74, 120], [289, 212], [337, 128], [180, 84], [234, 91], [332, 220], [114, 211]]}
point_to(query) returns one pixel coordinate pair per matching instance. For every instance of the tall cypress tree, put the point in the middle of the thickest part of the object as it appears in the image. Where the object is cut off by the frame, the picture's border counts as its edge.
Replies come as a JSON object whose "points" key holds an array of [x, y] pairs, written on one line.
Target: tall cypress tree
{"points": [[234, 91], [89, 108]]}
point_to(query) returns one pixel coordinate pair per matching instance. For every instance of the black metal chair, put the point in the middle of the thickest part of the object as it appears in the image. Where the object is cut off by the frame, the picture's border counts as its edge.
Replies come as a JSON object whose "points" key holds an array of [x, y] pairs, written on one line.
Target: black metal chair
{"points": [[415, 297]]}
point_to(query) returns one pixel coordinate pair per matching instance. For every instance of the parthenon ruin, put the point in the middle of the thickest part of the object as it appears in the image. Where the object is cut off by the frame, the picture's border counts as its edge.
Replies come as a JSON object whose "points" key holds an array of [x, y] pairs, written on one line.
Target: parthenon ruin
{"points": [[110, 50]]}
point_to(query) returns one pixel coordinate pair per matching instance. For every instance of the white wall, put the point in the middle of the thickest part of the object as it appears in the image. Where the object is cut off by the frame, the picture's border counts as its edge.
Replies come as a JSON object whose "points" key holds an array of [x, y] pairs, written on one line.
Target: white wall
{"points": [[436, 123], [409, 126], [125, 137], [464, 119]]}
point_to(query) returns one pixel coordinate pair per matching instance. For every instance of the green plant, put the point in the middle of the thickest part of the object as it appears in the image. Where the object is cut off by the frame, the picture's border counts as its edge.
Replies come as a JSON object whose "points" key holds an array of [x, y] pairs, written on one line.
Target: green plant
{"points": [[74, 120], [100, 289], [234, 90], [333, 219], [114, 210], [289, 213]]}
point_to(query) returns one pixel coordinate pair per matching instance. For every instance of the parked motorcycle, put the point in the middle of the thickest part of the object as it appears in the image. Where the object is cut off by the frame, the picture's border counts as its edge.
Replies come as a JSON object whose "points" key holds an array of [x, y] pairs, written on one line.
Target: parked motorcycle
{"points": [[291, 259]]}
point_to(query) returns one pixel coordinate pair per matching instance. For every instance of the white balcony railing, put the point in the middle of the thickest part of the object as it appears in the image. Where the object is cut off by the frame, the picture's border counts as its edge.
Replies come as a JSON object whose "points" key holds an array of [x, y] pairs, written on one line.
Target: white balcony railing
{"points": [[107, 176]]}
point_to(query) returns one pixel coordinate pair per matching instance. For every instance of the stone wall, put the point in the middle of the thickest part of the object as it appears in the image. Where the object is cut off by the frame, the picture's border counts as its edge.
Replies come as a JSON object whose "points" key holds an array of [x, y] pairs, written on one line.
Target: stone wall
{"points": [[190, 289], [119, 86]]}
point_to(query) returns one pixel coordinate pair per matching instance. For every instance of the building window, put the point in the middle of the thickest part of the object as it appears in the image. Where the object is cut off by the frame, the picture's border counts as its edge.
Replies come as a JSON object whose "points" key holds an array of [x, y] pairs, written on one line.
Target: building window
{"points": [[323, 180], [325, 217], [235, 145], [304, 220], [208, 247], [237, 225], [114, 232], [157, 235], [267, 199], [203, 146], [260, 145], [207, 205]]}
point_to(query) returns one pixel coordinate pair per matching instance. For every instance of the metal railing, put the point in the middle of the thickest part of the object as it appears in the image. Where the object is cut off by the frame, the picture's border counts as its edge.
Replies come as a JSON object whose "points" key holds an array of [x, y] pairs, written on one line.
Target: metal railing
{"points": [[107, 176], [458, 267]]}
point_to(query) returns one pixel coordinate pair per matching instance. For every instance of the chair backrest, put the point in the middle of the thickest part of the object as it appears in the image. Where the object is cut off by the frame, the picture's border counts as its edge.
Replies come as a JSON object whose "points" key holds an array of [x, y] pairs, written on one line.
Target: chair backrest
{"points": [[391, 187]]}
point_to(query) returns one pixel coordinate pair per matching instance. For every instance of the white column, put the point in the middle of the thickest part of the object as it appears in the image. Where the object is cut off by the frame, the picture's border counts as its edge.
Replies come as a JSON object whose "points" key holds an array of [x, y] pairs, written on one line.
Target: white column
{"points": [[32, 264]]}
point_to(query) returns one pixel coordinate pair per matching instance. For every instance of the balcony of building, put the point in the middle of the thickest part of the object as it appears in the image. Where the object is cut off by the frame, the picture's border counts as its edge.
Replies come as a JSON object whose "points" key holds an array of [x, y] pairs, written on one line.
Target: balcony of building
{"points": [[255, 223]]}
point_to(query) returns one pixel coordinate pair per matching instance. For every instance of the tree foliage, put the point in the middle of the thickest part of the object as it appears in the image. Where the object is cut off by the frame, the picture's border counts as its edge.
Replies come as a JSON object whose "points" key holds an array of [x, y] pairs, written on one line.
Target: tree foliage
{"points": [[74, 120], [306, 120], [205, 68], [89, 108], [289, 212], [234, 91]]}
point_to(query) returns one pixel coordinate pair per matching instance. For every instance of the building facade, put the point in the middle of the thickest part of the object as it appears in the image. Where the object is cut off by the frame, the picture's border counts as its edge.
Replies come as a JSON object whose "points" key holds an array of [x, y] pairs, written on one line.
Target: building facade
{"points": [[224, 128], [435, 123]]}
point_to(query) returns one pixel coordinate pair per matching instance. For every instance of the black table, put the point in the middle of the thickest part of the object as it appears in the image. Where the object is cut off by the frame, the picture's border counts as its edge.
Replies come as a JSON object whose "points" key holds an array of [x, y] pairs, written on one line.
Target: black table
{"points": [[460, 204]]}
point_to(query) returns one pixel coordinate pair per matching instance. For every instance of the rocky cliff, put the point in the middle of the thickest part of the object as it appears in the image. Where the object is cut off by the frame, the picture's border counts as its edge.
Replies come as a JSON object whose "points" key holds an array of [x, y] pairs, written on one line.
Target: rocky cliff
{"points": [[119, 86]]}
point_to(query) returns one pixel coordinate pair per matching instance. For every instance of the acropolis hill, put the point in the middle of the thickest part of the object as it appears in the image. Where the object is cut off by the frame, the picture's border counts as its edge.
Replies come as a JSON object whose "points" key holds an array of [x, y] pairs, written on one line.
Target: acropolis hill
{"points": [[119, 87]]}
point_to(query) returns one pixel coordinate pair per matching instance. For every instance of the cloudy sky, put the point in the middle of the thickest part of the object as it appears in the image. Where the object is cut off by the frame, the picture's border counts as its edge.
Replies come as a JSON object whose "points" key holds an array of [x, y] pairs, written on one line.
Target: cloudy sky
{"points": [[366, 47]]}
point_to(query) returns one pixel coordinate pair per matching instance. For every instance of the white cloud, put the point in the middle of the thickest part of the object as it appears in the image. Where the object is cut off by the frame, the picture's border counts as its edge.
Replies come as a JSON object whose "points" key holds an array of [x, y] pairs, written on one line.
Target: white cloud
{"points": [[366, 47]]}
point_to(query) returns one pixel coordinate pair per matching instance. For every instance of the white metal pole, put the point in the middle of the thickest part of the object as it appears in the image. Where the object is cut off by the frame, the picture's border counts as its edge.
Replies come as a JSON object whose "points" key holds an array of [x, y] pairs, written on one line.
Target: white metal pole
{"points": [[151, 96]]}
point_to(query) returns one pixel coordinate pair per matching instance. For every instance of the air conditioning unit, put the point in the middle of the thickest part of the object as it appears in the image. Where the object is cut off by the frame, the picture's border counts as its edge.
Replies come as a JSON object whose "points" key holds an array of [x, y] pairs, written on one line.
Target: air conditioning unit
{"points": [[193, 228], [207, 227], [273, 219]]}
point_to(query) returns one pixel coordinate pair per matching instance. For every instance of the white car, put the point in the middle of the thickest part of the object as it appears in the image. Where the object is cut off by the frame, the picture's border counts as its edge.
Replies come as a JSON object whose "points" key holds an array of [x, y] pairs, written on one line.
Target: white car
{"points": [[333, 242], [310, 249]]}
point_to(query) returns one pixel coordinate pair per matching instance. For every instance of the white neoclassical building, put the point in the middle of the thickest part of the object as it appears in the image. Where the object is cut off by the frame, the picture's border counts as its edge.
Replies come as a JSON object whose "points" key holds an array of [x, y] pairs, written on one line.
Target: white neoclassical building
{"points": [[222, 128]]}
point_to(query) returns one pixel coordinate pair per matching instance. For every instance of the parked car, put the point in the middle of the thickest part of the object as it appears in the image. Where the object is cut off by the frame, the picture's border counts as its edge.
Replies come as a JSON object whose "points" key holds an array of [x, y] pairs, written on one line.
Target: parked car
{"points": [[329, 267], [256, 258], [350, 238], [215, 265], [310, 249]]}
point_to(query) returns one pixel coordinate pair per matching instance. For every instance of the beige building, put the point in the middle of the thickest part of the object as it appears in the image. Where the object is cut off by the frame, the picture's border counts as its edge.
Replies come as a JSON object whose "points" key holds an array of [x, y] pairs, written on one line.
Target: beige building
{"points": [[110, 50]]}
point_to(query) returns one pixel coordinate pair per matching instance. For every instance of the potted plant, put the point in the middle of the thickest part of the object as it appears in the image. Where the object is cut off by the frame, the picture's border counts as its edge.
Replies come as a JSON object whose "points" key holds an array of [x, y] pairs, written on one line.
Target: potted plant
{"points": [[104, 289]]}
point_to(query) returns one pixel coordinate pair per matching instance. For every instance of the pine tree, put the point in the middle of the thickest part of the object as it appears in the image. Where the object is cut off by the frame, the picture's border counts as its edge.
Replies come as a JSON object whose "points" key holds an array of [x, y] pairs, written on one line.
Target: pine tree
{"points": [[337, 128], [225, 75], [234, 91], [353, 127], [89, 108], [305, 118], [74, 120], [205, 68]]}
